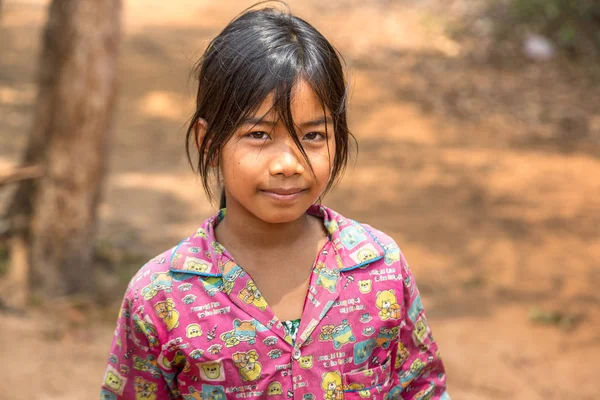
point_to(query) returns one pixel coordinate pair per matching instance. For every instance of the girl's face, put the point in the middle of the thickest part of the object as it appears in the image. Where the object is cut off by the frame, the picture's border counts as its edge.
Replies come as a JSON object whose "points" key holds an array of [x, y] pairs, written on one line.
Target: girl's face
{"points": [[262, 169]]}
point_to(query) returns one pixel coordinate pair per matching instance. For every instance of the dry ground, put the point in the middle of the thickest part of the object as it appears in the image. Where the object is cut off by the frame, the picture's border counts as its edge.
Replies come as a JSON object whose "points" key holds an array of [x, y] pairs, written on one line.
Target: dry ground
{"points": [[487, 176]]}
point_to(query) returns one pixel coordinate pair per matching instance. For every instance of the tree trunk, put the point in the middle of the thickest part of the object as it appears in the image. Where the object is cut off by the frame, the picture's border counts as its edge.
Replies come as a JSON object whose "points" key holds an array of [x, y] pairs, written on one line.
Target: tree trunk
{"points": [[56, 215]]}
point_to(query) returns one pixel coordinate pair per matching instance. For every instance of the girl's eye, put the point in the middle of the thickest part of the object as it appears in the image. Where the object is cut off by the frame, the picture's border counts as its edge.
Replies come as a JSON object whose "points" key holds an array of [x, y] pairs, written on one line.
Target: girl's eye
{"points": [[259, 135], [314, 136]]}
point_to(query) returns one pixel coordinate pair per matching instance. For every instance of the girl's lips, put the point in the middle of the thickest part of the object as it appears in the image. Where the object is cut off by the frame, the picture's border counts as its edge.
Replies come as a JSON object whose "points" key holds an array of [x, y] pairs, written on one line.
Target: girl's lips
{"points": [[283, 195]]}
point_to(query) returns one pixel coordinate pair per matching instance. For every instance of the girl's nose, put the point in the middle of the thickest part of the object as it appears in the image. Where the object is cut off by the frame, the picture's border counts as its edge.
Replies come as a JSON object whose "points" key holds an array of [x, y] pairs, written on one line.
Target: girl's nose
{"points": [[287, 162]]}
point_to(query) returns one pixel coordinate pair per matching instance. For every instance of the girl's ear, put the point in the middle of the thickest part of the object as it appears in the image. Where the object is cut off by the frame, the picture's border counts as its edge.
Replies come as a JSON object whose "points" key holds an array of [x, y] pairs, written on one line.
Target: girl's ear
{"points": [[200, 127]]}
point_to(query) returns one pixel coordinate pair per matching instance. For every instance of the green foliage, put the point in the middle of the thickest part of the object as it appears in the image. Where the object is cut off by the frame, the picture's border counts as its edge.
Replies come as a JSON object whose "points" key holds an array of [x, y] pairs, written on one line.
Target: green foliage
{"points": [[563, 321], [572, 24]]}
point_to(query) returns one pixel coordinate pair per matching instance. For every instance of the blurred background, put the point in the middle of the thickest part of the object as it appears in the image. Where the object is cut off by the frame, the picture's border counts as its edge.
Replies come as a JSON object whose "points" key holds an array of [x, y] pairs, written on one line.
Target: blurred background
{"points": [[478, 125]]}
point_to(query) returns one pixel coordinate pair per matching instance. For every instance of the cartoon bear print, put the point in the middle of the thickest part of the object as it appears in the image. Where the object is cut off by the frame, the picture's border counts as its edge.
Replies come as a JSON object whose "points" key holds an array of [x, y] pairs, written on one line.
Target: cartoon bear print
{"points": [[274, 389], [212, 371], [166, 311], [195, 264], [193, 330], [420, 334], [306, 362], [251, 295], [364, 286], [364, 254], [326, 333], [331, 384], [243, 331], [114, 380], [248, 365], [387, 304]]}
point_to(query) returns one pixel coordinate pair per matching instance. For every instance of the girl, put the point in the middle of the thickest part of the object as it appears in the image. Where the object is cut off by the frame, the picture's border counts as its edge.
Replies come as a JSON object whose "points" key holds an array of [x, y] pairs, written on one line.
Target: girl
{"points": [[276, 296]]}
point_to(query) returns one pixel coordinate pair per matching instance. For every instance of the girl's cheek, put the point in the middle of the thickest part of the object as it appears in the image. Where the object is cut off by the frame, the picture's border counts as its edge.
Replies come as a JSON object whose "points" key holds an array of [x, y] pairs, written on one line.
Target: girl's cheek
{"points": [[321, 155]]}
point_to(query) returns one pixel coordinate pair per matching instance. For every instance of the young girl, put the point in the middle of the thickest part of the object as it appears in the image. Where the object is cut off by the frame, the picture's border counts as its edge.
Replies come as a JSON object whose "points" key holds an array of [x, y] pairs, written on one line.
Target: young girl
{"points": [[276, 296]]}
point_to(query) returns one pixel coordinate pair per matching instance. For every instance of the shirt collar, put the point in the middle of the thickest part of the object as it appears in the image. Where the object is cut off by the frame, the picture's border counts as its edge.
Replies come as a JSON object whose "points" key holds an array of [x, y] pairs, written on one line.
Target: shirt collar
{"points": [[201, 254]]}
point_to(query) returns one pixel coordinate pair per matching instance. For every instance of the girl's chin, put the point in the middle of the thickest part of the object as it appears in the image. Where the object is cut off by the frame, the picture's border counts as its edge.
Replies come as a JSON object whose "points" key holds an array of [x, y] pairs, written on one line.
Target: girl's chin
{"points": [[280, 215], [281, 218]]}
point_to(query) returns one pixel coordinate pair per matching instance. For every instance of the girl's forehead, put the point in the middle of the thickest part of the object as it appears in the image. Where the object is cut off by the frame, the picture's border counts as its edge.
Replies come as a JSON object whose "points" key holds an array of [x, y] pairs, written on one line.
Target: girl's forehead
{"points": [[304, 105]]}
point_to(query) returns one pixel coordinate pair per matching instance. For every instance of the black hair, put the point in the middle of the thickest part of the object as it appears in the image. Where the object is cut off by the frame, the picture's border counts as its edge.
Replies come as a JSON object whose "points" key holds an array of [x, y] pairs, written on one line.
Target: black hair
{"points": [[258, 53]]}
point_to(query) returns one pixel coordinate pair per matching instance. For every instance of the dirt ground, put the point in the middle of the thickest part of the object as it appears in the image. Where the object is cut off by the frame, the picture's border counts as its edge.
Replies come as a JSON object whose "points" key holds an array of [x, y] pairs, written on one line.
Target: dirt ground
{"points": [[486, 173]]}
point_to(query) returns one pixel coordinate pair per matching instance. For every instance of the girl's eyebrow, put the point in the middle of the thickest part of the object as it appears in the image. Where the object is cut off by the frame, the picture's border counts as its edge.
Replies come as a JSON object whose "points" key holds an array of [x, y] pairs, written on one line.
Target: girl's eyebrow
{"points": [[316, 122], [257, 121]]}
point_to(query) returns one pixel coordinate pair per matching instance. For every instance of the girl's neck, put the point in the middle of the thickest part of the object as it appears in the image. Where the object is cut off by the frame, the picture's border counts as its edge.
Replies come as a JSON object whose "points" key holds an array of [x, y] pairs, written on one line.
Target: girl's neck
{"points": [[240, 230]]}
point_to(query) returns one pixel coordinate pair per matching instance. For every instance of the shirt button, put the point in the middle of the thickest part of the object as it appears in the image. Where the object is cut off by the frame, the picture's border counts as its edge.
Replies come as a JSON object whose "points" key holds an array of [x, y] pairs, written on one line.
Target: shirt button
{"points": [[297, 354]]}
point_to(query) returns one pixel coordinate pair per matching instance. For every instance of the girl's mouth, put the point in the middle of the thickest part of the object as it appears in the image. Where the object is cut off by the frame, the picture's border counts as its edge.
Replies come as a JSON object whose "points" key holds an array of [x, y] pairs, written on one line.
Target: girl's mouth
{"points": [[283, 194]]}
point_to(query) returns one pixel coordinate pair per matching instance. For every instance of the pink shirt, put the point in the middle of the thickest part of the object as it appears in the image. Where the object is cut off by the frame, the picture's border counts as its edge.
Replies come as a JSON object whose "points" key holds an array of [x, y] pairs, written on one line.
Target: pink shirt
{"points": [[188, 331]]}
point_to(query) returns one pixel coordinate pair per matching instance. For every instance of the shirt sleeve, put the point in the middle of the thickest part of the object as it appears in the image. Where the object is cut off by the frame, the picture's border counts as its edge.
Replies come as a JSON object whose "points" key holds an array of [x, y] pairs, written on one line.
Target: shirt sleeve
{"points": [[418, 370], [133, 370]]}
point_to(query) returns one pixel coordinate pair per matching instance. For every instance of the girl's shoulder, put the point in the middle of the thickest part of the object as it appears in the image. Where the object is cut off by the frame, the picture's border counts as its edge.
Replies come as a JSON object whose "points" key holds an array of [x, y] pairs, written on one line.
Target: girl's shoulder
{"points": [[342, 225], [164, 274], [153, 274], [360, 244], [380, 236]]}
